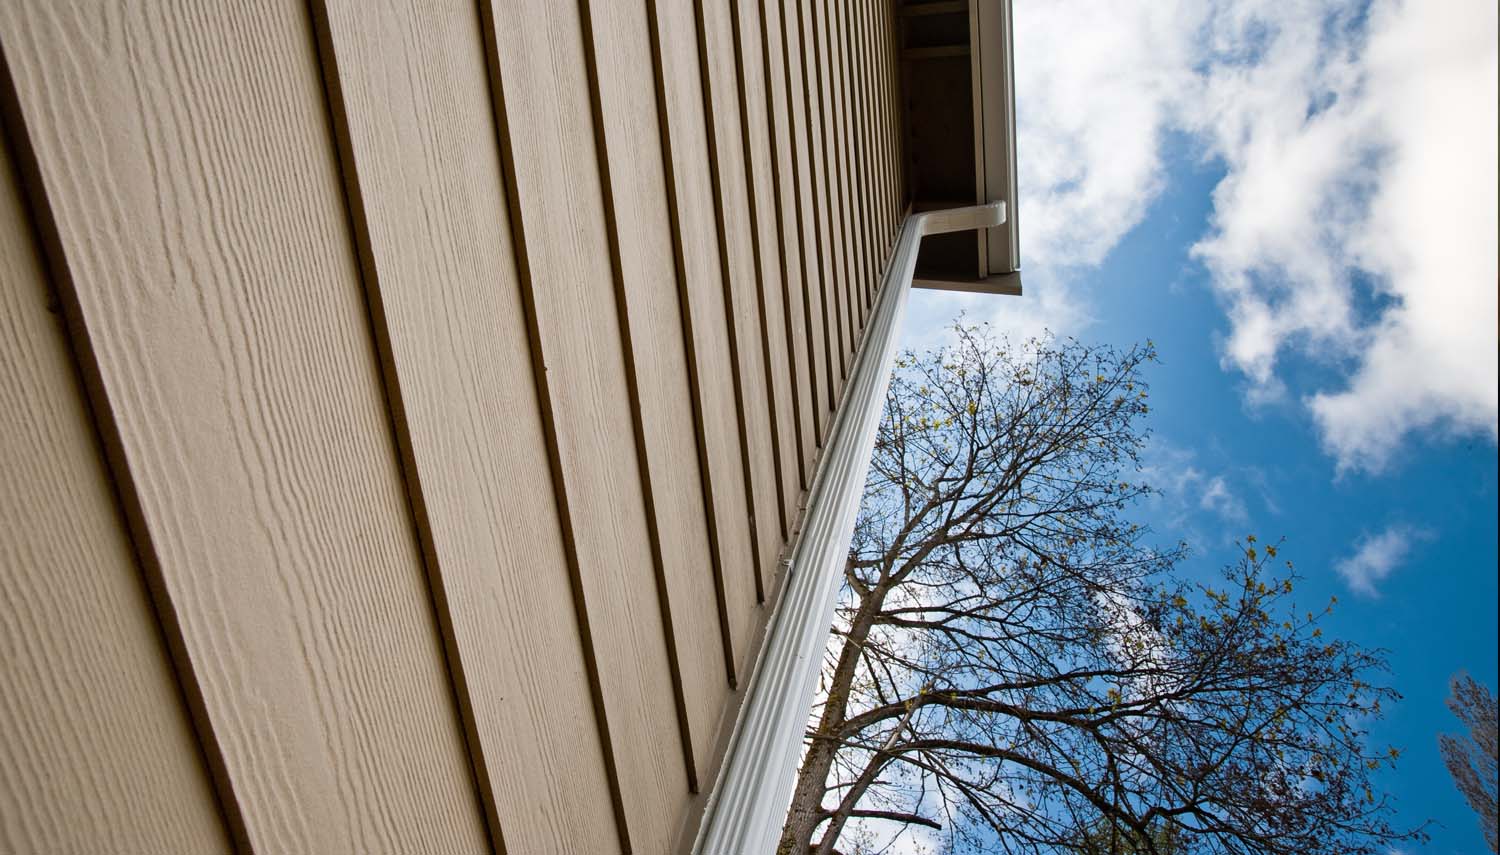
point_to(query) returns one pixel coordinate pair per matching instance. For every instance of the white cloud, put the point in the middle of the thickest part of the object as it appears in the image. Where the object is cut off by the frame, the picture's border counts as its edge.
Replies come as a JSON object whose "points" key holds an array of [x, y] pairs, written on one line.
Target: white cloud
{"points": [[1218, 499], [1375, 558], [1185, 493], [1096, 84], [930, 313], [1363, 161], [1355, 223]]}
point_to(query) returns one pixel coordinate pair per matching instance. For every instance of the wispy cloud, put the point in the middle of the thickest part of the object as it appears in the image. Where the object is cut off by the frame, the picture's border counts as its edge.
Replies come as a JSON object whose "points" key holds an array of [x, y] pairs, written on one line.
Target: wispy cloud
{"points": [[1206, 507], [1218, 499], [1357, 221], [1355, 224], [1376, 557]]}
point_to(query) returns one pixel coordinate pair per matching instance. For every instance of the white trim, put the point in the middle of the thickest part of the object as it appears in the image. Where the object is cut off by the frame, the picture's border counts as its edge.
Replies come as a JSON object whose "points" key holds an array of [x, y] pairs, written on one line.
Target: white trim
{"points": [[747, 807], [995, 125]]}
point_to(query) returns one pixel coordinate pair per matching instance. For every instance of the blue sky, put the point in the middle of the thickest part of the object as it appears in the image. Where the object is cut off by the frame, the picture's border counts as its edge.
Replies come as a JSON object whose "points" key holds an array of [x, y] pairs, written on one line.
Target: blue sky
{"points": [[1296, 200]]}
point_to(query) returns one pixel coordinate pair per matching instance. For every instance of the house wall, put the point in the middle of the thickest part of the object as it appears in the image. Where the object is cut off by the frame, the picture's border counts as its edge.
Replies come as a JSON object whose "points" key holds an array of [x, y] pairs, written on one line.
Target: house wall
{"points": [[406, 406]]}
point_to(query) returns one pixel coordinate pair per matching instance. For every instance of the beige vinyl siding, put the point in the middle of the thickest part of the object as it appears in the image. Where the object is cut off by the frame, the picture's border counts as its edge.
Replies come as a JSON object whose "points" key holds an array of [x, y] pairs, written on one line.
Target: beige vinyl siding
{"points": [[439, 393], [97, 745], [799, 258], [433, 230], [755, 127], [543, 89], [789, 248], [700, 282], [812, 208], [187, 162], [839, 283], [739, 263], [665, 430]]}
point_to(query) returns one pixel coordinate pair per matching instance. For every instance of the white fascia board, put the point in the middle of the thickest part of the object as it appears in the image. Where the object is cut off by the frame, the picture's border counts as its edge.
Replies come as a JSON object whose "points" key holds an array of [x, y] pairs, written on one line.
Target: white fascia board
{"points": [[992, 42]]}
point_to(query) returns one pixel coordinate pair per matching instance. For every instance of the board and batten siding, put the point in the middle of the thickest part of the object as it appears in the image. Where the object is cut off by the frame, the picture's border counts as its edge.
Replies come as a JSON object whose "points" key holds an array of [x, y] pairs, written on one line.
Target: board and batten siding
{"points": [[407, 407]]}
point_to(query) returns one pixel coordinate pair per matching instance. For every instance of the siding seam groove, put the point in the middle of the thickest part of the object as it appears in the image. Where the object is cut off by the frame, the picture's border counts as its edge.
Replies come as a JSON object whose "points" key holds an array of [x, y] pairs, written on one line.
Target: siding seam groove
{"points": [[357, 219], [549, 416], [743, 101], [786, 292], [632, 388], [814, 384], [820, 213], [706, 84], [838, 242], [63, 300], [839, 81], [865, 115], [690, 346]]}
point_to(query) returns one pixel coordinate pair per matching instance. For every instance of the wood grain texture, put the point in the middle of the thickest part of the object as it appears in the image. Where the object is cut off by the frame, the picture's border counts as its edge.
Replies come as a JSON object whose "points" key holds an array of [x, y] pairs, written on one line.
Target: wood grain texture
{"points": [[770, 255], [840, 62], [789, 234], [872, 127], [737, 242], [888, 44], [629, 122], [884, 95], [893, 111], [827, 240], [696, 242], [851, 194], [805, 63], [98, 754], [880, 25], [826, 111], [805, 216], [188, 166], [886, 219], [881, 156], [867, 120], [551, 163], [419, 135], [838, 192]]}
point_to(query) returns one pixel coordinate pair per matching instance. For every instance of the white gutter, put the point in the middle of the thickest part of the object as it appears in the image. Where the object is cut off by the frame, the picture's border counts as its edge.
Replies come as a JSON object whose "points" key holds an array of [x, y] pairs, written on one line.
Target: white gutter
{"points": [[748, 805]]}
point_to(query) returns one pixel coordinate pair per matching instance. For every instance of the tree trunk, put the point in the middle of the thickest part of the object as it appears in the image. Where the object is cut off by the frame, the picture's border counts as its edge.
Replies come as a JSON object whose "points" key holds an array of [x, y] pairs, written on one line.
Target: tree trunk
{"points": [[807, 799]]}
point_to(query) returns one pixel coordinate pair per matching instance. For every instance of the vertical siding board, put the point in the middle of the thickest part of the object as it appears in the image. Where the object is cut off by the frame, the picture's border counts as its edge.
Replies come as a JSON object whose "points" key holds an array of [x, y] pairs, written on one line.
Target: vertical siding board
{"points": [[868, 199], [847, 67], [884, 217], [638, 201], [701, 290], [99, 754], [789, 238], [825, 239], [227, 340], [880, 16], [552, 171], [898, 137], [737, 241], [769, 254], [866, 125], [870, 127], [833, 140], [872, 124], [882, 96], [839, 58], [806, 222], [838, 244], [419, 134], [853, 266], [890, 96]]}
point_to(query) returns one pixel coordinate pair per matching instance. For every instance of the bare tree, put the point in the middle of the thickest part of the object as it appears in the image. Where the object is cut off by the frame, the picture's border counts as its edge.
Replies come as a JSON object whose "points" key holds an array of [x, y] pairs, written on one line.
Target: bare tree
{"points": [[1471, 759], [1014, 669]]}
